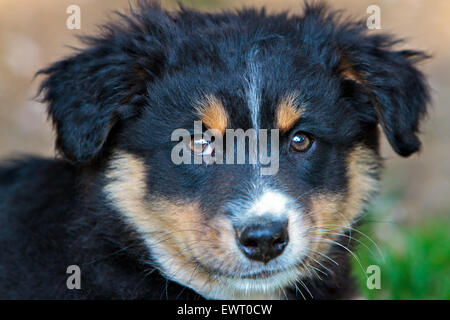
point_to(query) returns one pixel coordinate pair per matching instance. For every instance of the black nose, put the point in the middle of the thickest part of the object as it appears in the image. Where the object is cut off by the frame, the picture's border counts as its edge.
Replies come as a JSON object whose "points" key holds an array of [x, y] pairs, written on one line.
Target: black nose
{"points": [[265, 241]]}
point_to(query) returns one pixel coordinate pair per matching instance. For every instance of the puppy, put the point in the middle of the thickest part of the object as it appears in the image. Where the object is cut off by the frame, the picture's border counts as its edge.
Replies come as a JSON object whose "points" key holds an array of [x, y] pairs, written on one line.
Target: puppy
{"points": [[117, 216]]}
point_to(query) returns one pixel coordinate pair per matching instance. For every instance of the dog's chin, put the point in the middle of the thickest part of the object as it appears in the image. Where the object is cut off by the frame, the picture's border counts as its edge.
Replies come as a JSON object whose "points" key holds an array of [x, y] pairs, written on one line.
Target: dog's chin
{"points": [[265, 284]]}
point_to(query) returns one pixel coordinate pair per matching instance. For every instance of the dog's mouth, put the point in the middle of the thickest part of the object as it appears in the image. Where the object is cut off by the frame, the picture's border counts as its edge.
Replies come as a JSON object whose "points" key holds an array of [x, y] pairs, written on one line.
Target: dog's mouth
{"points": [[255, 275], [265, 274]]}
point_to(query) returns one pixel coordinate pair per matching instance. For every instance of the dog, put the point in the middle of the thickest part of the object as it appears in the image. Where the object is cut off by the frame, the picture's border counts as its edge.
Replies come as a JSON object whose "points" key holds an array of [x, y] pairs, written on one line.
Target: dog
{"points": [[113, 216]]}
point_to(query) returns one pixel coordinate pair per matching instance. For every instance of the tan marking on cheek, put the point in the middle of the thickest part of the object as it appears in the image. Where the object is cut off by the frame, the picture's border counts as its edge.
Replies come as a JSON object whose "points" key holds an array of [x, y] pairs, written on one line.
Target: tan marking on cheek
{"points": [[333, 213], [126, 186], [326, 208], [363, 166], [287, 113], [127, 189], [326, 219], [177, 232], [212, 113]]}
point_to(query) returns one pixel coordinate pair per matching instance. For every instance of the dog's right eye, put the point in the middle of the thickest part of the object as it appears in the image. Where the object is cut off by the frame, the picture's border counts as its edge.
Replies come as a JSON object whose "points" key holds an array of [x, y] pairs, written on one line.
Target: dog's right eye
{"points": [[200, 146]]}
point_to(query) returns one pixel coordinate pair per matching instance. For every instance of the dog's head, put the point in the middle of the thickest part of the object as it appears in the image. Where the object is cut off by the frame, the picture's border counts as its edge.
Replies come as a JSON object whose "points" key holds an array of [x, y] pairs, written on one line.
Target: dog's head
{"points": [[321, 88]]}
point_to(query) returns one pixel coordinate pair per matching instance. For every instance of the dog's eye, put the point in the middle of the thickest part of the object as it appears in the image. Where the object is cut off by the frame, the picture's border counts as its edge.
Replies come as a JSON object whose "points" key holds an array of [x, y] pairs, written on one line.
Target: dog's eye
{"points": [[300, 142], [201, 147]]}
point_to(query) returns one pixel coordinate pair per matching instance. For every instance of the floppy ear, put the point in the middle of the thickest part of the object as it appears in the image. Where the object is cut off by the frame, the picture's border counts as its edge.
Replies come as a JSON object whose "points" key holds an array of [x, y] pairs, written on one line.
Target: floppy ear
{"points": [[396, 88], [88, 93]]}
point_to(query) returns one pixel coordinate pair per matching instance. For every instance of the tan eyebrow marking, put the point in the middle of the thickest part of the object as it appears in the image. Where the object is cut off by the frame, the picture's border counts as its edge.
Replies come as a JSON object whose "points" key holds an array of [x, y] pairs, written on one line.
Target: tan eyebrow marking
{"points": [[287, 113], [212, 113]]}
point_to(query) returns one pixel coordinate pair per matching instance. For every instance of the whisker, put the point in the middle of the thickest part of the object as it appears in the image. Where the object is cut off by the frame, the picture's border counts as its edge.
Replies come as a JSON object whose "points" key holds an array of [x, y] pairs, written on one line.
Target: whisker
{"points": [[380, 252], [298, 289], [304, 286], [320, 264], [325, 256], [347, 249], [350, 238]]}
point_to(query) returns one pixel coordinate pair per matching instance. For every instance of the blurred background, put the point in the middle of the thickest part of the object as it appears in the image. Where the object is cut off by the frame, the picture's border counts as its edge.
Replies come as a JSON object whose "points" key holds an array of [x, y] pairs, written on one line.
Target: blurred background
{"points": [[410, 221]]}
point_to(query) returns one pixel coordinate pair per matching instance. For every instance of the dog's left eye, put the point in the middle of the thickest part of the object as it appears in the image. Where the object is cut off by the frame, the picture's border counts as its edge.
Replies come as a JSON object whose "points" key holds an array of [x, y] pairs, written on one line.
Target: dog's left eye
{"points": [[301, 142], [201, 147]]}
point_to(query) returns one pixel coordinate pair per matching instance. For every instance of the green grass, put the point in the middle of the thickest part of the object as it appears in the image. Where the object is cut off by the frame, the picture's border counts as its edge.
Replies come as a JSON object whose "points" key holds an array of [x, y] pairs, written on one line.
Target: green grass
{"points": [[416, 263]]}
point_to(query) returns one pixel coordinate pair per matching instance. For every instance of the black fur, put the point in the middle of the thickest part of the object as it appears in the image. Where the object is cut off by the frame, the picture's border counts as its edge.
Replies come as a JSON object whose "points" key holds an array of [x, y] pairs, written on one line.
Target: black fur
{"points": [[152, 65]]}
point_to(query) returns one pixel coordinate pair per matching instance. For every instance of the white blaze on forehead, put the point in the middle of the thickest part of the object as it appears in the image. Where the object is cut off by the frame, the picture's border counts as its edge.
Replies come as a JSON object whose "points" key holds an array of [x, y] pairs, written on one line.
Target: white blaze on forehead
{"points": [[271, 202], [253, 89]]}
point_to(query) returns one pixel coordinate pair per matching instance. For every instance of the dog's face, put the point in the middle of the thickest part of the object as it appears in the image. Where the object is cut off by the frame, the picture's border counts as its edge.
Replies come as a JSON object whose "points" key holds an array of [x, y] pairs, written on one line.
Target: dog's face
{"points": [[321, 89]]}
